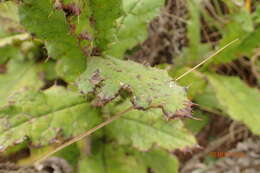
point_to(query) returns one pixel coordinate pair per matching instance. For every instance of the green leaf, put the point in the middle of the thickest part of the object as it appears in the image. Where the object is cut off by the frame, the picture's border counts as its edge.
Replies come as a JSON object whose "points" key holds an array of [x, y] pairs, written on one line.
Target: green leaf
{"points": [[194, 81], [80, 18], [149, 87], [10, 47], [238, 100], [104, 14], [208, 99], [249, 43], [143, 130], [42, 19], [239, 26], [19, 75], [107, 158], [160, 161], [196, 126], [131, 27], [71, 153], [48, 69], [9, 19], [43, 118], [195, 50], [9, 52]]}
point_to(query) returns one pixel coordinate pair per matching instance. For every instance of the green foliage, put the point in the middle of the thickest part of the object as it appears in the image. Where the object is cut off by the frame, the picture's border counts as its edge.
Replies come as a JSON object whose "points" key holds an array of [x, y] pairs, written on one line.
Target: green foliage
{"points": [[194, 81], [9, 19], [49, 24], [143, 129], [197, 126], [239, 25], [216, 94], [238, 100], [81, 45], [20, 75], [111, 159], [195, 49], [57, 41], [104, 14], [149, 87], [131, 28], [48, 117]]}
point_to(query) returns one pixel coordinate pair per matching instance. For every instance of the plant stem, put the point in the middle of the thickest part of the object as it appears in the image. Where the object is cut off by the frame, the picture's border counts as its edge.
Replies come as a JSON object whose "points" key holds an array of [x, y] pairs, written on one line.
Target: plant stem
{"points": [[87, 133], [205, 60]]}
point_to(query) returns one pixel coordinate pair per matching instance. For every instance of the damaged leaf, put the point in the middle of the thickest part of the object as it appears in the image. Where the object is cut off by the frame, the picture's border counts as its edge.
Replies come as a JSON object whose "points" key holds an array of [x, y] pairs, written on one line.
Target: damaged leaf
{"points": [[148, 87], [49, 117]]}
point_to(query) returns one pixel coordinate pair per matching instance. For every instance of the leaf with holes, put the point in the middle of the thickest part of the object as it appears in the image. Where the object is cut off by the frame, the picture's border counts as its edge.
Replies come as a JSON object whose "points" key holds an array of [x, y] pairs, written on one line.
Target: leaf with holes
{"points": [[43, 118], [149, 87]]}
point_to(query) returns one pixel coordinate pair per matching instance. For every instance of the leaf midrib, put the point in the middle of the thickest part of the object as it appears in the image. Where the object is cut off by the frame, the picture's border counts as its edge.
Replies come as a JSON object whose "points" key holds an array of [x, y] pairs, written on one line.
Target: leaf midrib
{"points": [[43, 115]]}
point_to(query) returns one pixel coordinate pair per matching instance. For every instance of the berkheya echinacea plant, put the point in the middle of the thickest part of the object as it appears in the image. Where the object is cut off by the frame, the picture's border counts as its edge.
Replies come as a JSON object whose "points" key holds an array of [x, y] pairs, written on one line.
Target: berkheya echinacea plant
{"points": [[83, 44]]}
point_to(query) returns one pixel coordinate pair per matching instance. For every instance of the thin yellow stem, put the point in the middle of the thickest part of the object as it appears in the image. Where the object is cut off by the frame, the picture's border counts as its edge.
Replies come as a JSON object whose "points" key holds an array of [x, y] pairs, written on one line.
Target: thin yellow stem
{"points": [[248, 5], [205, 60]]}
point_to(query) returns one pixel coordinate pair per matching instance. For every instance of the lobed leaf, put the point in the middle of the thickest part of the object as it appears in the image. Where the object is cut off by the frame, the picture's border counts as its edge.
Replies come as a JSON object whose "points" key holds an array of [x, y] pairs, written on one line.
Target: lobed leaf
{"points": [[149, 87], [44, 117], [104, 14], [131, 28], [238, 100], [49, 24]]}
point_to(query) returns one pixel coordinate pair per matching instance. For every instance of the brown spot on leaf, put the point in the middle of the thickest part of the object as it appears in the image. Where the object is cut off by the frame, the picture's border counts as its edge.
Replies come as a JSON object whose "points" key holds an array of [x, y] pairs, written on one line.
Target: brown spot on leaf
{"points": [[96, 51], [96, 78], [84, 36], [118, 70], [72, 28], [71, 9], [2, 68], [92, 20], [101, 99]]}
